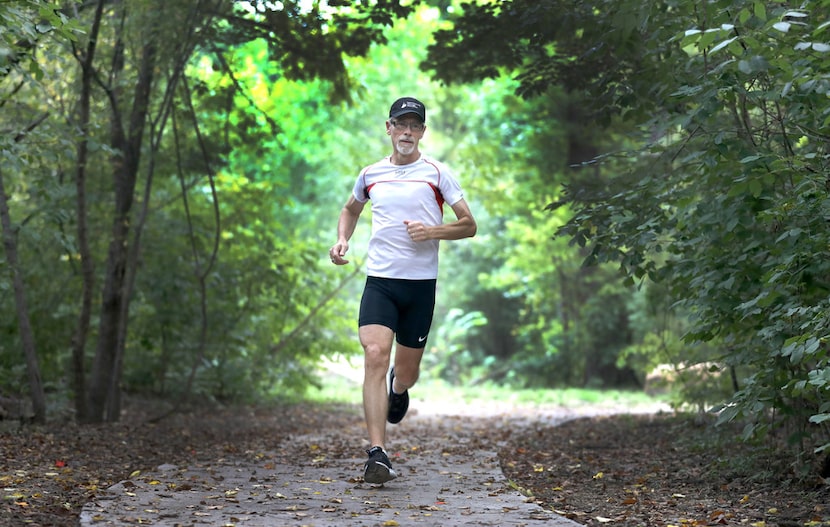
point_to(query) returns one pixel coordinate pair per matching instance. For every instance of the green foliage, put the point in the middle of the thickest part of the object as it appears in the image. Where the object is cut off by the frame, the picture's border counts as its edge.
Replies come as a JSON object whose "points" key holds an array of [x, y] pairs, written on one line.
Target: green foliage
{"points": [[719, 190], [744, 210], [33, 150], [530, 287], [454, 362], [745, 207], [270, 309], [24, 24]]}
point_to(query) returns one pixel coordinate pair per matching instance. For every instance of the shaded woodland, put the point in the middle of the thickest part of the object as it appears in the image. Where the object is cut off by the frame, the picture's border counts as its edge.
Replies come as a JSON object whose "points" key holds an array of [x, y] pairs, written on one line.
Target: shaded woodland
{"points": [[651, 181]]}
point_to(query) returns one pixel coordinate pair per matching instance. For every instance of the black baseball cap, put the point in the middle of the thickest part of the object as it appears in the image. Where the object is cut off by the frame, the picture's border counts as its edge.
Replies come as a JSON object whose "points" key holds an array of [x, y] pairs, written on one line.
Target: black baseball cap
{"points": [[406, 105]]}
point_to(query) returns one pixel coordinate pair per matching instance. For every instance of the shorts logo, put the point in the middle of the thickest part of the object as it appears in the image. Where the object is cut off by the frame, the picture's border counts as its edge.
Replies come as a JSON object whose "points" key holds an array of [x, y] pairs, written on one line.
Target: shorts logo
{"points": [[421, 339]]}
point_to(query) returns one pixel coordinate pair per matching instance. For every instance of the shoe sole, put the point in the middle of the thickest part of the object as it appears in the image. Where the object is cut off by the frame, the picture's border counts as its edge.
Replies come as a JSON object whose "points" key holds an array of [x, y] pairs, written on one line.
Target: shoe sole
{"points": [[378, 473]]}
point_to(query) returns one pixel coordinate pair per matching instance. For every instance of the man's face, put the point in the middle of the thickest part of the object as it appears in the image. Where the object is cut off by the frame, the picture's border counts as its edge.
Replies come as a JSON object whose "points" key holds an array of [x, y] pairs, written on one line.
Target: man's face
{"points": [[406, 131]]}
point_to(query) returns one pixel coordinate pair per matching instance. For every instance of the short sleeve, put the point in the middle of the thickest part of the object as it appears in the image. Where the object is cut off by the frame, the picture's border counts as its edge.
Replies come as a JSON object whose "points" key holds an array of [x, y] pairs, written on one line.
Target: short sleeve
{"points": [[450, 187]]}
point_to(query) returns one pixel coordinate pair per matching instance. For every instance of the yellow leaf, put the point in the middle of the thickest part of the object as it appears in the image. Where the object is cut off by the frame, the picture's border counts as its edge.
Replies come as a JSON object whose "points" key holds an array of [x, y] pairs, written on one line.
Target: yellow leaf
{"points": [[759, 524], [155, 482], [599, 475], [390, 523], [538, 468], [135, 473], [745, 498], [773, 510]]}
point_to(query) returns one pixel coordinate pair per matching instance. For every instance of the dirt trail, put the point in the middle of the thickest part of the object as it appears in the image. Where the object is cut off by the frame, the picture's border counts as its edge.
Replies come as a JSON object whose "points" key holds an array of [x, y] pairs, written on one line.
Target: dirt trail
{"points": [[446, 458]]}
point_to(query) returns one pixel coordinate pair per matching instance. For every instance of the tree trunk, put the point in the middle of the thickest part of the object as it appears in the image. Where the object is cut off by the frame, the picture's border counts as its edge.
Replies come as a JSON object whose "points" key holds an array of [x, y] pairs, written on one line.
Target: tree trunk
{"points": [[115, 300], [26, 336], [87, 268]]}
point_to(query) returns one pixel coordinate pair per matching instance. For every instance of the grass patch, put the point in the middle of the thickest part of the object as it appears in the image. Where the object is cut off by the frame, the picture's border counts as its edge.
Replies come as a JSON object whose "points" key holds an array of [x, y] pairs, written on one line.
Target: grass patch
{"points": [[335, 389], [345, 389], [437, 390]]}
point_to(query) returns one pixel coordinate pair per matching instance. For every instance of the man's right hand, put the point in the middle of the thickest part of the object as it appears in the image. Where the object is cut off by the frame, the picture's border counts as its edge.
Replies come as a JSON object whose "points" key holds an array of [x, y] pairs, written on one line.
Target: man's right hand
{"points": [[337, 252]]}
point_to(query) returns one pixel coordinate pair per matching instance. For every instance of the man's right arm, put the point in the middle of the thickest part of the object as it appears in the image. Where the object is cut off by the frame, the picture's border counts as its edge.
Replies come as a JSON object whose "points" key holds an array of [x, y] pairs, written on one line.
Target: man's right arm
{"points": [[345, 228]]}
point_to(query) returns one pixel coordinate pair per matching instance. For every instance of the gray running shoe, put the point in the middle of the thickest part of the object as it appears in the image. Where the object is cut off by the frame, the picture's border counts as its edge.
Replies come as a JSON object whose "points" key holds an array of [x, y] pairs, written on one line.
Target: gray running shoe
{"points": [[378, 469]]}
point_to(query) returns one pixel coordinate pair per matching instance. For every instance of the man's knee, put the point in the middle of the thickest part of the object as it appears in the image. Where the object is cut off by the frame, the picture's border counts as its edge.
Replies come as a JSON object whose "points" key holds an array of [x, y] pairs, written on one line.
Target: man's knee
{"points": [[376, 356]]}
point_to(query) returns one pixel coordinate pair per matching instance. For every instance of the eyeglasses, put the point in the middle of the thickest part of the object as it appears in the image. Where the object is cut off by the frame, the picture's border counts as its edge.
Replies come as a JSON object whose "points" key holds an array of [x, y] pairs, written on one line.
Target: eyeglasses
{"points": [[415, 126]]}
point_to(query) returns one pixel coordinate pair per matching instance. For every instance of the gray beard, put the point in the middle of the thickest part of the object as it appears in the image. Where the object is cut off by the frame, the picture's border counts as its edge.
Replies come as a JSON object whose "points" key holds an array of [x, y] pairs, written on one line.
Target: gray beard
{"points": [[404, 150]]}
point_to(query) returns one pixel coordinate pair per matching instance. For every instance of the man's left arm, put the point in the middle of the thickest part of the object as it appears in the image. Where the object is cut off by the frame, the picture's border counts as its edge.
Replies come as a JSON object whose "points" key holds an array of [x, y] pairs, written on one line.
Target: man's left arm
{"points": [[464, 226]]}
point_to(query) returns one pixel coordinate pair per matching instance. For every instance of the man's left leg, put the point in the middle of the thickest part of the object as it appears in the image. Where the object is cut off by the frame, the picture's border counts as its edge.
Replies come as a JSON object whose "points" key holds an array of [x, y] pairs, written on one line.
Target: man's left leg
{"points": [[413, 330], [407, 367]]}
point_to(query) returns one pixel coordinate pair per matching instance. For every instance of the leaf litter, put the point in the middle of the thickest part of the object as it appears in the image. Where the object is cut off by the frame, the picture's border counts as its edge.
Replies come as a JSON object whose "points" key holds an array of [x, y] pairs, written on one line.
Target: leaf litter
{"points": [[657, 470], [664, 470]]}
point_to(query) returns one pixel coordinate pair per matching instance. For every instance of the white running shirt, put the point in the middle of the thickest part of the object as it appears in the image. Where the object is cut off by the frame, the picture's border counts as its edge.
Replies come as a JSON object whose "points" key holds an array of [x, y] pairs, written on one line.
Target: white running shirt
{"points": [[405, 192]]}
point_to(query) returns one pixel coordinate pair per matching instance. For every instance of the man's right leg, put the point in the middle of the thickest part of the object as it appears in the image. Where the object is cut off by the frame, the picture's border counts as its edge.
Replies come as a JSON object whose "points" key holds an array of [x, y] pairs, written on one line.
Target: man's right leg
{"points": [[377, 348]]}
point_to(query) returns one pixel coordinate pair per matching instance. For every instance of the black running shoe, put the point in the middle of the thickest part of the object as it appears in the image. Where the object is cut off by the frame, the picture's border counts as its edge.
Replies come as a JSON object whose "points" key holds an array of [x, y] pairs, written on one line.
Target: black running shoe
{"points": [[398, 402], [378, 469]]}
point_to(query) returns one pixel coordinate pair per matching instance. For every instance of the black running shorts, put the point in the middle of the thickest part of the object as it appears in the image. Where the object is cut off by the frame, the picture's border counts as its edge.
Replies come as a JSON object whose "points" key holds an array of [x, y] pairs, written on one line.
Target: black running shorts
{"points": [[404, 306]]}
